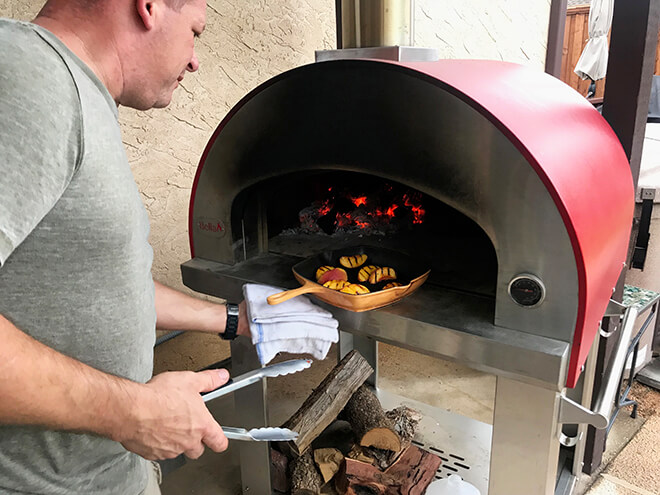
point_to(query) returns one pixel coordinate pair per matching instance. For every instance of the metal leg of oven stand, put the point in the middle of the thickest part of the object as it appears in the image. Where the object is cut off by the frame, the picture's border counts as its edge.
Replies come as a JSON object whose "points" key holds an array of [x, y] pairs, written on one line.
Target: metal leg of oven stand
{"points": [[366, 346], [250, 404], [622, 398], [525, 448]]}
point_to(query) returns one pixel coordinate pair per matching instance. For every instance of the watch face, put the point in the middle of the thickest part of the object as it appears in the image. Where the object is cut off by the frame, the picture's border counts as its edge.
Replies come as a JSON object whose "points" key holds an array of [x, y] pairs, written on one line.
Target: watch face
{"points": [[527, 290]]}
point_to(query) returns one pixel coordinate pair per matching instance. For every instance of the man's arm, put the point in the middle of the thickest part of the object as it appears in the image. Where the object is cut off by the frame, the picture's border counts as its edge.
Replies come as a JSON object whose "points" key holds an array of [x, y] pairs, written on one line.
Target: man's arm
{"points": [[157, 420], [178, 311]]}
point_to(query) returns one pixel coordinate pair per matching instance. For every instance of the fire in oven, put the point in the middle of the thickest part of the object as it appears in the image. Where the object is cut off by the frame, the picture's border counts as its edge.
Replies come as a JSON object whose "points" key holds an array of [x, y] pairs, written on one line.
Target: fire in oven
{"points": [[507, 183], [319, 211]]}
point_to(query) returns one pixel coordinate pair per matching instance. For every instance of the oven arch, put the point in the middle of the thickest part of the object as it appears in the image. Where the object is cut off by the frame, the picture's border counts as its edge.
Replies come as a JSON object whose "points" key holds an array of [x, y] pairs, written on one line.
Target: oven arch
{"points": [[466, 142]]}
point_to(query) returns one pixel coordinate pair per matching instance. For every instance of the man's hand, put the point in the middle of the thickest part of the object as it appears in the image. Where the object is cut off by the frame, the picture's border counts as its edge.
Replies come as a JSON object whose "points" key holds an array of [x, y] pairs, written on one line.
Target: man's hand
{"points": [[170, 417]]}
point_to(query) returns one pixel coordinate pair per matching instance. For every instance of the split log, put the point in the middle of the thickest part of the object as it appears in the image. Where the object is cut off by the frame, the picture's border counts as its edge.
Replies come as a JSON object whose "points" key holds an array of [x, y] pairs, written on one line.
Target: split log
{"points": [[328, 399], [368, 420], [417, 468], [358, 453], [305, 479], [356, 477], [410, 475], [328, 462], [380, 458]]}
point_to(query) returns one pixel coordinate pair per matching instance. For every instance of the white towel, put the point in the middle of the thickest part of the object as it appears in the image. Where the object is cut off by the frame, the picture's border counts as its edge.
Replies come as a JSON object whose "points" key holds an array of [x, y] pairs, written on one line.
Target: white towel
{"points": [[297, 326]]}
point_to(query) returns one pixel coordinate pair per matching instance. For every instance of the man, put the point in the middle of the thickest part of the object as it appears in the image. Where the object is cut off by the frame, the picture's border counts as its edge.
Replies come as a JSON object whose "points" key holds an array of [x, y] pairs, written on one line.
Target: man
{"points": [[79, 412]]}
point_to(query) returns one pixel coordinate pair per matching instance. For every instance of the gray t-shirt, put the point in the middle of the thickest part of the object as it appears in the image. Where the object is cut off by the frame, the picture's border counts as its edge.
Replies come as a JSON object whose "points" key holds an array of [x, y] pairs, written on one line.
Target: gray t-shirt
{"points": [[75, 263]]}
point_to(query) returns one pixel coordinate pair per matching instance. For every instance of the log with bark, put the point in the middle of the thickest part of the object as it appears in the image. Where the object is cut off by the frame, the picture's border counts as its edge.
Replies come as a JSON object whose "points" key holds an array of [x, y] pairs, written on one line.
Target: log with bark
{"points": [[328, 399], [405, 421], [305, 479], [369, 422], [411, 474], [280, 473]]}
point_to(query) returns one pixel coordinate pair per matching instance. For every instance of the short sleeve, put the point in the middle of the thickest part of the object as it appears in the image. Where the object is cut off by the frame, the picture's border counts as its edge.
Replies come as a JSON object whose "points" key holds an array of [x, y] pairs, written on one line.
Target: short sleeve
{"points": [[41, 136]]}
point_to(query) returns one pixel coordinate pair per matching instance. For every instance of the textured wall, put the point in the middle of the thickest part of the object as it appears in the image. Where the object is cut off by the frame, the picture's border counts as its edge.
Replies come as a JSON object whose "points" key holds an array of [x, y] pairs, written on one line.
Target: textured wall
{"points": [[511, 30], [246, 43]]}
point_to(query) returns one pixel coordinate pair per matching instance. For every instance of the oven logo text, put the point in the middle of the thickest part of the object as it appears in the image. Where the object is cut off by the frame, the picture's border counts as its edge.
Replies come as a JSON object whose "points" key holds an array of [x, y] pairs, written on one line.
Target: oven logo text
{"points": [[212, 227]]}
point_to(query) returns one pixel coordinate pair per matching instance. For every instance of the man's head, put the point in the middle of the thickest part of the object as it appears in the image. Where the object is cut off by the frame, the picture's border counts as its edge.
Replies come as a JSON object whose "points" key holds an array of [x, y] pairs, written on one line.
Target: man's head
{"points": [[141, 49], [162, 50]]}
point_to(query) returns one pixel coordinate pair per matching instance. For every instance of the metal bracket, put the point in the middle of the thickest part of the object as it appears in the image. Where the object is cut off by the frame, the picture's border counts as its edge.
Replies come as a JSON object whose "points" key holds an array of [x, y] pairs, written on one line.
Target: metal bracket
{"points": [[567, 441], [607, 335], [571, 412], [643, 235], [614, 308]]}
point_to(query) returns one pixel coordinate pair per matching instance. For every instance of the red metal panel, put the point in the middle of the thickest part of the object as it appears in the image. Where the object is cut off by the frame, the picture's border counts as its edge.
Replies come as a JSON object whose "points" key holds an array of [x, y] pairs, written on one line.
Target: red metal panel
{"points": [[579, 159]]}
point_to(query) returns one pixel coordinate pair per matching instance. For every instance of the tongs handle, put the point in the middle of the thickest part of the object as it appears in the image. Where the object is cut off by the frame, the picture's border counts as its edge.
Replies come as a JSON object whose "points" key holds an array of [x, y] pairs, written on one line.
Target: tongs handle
{"points": [[237, 433], [308, 287], [230, 386]]}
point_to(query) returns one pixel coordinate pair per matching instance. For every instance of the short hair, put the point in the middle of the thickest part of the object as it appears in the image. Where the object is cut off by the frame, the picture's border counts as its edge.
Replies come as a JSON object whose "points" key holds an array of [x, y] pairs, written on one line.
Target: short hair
{"points": [[176, 4]]}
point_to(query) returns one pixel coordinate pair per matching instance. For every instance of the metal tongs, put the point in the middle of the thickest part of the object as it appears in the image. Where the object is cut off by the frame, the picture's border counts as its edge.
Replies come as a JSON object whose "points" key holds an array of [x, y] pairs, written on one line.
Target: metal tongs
{"points": [[266, 434]]}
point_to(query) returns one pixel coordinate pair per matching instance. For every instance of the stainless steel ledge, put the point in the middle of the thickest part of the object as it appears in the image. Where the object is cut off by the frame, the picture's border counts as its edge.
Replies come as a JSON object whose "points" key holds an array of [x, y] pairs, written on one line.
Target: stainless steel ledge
{"points": [[435, 321]]}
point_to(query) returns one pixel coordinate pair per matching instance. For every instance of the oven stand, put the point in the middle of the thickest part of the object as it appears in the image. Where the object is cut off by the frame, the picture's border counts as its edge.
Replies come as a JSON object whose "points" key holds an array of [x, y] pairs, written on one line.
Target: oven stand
{"points": [[525, 444], [251, 406], [516, 456]]}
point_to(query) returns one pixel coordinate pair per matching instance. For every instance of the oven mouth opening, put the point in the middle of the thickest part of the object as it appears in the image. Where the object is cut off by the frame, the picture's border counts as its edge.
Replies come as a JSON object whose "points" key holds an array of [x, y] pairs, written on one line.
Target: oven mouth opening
{"points": [[303, 214]]}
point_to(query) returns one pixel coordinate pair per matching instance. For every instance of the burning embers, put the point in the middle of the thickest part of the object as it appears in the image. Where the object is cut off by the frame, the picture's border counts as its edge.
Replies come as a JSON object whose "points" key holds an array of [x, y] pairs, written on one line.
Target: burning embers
{"points": [[386, 211]]}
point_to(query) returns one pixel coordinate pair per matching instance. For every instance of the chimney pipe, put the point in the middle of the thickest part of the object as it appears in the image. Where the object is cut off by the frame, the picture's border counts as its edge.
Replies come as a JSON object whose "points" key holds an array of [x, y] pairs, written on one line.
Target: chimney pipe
{"points": [[374, 23]]}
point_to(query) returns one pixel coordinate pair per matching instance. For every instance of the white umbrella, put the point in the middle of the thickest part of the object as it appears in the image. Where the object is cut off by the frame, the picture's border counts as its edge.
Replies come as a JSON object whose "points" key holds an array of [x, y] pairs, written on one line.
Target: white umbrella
{"points": [[593, 61]]}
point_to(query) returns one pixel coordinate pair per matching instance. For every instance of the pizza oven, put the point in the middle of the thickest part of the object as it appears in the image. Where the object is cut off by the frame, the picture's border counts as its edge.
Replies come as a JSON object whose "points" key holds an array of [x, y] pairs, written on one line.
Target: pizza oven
{"points": [[507, 181]]}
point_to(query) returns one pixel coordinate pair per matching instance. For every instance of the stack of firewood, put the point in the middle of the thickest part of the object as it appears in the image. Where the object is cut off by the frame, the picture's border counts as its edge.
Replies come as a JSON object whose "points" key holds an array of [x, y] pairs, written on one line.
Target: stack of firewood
{"points": [[347, 441]]}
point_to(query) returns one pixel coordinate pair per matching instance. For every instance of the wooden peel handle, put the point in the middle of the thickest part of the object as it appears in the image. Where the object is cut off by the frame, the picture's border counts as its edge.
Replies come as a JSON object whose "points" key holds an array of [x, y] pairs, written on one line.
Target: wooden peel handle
{"points": [[308, 288]]}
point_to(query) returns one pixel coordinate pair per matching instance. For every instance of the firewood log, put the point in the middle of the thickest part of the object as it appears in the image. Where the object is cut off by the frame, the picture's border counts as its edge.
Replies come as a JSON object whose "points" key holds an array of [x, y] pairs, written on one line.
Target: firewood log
{"points": [[369, 422], [409, 475], [356, 477], [405, 421], [357, 453], [416, 468], [279, 468], [328, 399], [305, 479], [328, 462]]}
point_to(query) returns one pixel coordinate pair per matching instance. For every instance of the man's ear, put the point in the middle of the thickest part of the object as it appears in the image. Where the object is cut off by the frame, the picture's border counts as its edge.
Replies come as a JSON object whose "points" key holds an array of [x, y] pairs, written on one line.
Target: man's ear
{"points": [[145, 10]]}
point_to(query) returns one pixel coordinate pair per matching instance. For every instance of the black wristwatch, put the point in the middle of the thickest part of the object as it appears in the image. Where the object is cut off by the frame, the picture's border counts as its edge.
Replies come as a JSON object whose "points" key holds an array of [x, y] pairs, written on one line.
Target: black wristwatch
{"points": [[232, 322]]}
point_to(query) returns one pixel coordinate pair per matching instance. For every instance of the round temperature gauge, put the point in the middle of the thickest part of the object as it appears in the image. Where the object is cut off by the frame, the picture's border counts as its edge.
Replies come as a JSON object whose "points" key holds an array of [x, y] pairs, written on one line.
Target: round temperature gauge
{"points": [[527, 290]]}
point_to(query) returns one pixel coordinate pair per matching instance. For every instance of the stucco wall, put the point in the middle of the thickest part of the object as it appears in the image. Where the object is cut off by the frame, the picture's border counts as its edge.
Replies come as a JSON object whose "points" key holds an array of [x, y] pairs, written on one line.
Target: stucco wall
{"points": [[246, 43], [511, 30]]}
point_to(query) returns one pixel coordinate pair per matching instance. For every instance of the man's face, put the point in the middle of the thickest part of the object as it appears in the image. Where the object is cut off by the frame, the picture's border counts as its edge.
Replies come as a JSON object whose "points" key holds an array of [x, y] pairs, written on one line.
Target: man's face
{"points": [[169, 54]]}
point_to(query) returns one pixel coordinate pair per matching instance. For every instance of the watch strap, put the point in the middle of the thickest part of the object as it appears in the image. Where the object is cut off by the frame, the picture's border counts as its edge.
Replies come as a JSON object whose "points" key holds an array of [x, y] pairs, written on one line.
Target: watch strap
{"points": [[232, 322]]}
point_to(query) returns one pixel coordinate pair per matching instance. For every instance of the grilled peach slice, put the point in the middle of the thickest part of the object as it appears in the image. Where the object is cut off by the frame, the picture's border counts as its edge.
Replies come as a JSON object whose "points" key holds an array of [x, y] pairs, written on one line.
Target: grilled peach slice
{"points": [[353, 261], [355, 289], [391, 285], [322, 270], [365, 271], [336, 284], [334, 274], [381, 274]]}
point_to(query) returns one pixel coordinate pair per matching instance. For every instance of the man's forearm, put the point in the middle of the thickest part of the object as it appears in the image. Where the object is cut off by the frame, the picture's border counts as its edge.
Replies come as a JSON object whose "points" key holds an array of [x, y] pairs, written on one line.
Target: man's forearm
{"points": [[178, 311], [40, 386]]}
